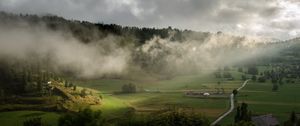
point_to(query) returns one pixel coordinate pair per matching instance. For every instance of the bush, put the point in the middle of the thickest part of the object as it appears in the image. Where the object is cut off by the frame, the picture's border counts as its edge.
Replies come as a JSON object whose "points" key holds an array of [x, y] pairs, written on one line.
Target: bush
{"points": [[274, 81], [252, 70], [235, 92], [253, 78], [172, 117], [218, 74], [244, 77], [176, 118], [261, 79], [85, 117], [240, 69], [227, 75], [169, 118], [33, 122], [83, 92], [275, 87], [129, 88]]}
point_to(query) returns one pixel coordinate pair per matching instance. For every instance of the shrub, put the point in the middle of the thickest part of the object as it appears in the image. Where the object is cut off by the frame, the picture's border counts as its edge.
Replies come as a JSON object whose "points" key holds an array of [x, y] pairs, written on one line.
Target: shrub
{"points": [[169, 118], [261, 79], [227, 75], [33, 122], [129, 88], [275, 87], [85, 117], [253, 78]]}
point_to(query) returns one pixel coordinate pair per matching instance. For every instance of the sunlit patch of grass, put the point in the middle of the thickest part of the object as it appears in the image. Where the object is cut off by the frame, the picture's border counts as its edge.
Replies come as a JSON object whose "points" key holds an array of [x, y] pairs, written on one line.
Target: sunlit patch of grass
{"points": [[171, 92], [112, 107]]}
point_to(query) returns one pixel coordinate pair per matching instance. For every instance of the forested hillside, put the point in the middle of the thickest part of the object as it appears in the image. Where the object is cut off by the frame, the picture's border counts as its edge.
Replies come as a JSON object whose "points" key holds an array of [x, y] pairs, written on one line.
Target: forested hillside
{"points": [[160, 53]]}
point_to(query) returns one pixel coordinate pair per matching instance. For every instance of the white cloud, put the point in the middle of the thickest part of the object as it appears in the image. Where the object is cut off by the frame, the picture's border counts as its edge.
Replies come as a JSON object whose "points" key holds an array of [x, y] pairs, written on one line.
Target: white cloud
{"points": [[266, 18]]}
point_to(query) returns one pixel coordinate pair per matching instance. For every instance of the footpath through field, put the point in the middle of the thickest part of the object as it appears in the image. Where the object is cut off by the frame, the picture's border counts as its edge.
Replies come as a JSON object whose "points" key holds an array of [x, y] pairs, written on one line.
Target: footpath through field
{"points": [[231, 106]]}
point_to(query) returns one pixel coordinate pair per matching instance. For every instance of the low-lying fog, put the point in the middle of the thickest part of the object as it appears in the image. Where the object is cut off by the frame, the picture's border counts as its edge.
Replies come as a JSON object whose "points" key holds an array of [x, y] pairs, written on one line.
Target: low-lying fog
{"points": [[62, 51]]}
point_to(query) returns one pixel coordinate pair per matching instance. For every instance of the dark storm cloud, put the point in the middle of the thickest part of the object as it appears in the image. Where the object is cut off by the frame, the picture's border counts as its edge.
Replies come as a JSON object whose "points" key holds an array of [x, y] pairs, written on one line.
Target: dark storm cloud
{"points": [[238, 16]]}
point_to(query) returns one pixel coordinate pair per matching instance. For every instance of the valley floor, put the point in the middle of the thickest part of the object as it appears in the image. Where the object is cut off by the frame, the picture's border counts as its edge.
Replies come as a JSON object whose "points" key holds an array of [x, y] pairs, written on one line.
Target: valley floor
{"points": [[164, 93]]}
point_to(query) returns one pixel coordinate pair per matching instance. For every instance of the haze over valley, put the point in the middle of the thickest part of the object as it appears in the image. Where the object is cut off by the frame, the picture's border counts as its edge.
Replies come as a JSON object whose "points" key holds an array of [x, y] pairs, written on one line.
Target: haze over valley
{"points": [[149, 63]]}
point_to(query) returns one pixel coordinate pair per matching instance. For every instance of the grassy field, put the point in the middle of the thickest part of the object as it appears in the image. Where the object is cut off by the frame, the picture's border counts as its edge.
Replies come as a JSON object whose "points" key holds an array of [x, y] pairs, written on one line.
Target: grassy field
{"points": [[112, 107], [262, 100], [186, 82], [103, 85], [16, 118], [147, 102], [171, 93]]}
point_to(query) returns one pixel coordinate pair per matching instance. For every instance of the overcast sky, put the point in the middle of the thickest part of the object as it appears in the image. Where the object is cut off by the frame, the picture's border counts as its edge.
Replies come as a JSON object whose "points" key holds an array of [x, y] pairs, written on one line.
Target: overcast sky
{"points": [[266, 18]]}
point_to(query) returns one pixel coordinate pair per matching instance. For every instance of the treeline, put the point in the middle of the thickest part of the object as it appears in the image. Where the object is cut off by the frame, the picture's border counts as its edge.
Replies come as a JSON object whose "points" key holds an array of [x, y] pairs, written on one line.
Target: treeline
{"points": [[88, 32], [277, 74], [170, 117], [28, 79], [129, 88], [88, 117], [243, 115], [223, 73]]}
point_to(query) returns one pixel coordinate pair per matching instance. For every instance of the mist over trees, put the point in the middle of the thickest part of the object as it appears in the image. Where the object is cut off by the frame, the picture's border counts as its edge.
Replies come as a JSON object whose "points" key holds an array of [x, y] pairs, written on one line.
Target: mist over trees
{"points": [[52, 44], [35, 50]]}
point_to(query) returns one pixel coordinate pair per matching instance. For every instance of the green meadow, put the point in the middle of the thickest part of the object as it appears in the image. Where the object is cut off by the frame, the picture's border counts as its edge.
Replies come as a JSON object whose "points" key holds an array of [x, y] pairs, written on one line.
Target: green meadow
{"points": [[162, 94], [16, 118], [261, 99]]}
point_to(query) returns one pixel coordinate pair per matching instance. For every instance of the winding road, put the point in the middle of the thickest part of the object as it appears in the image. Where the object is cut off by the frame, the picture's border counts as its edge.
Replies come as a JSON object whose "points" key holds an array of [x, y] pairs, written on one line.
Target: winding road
{"points": [[231, 106]]}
